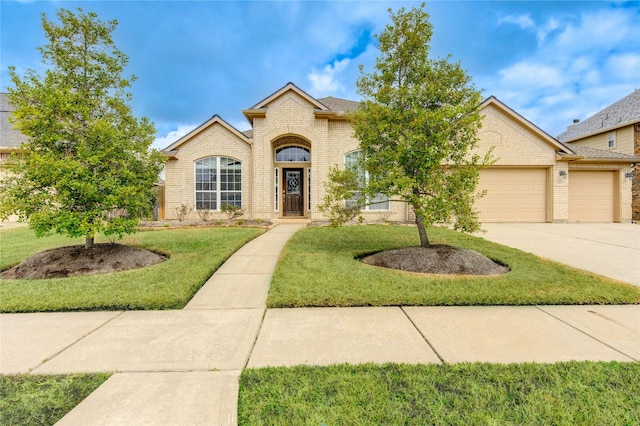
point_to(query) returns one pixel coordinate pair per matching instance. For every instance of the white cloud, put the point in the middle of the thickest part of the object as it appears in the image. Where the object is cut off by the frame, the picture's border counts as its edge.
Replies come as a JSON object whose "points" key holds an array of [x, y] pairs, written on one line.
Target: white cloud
{"points": [[172, 136], [326, 81], [582, 63], [523, 21]]}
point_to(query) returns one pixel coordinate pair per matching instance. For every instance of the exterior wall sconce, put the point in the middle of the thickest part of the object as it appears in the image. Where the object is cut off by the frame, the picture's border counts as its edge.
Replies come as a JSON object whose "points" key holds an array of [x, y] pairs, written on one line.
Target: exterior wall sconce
{"points": [[563, 173], [628, 175]]}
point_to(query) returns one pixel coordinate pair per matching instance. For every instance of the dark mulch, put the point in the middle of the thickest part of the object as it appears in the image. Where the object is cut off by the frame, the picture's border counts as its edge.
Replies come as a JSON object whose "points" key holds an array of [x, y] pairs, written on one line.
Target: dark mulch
{"points": [[437, 259], [76, 260]]}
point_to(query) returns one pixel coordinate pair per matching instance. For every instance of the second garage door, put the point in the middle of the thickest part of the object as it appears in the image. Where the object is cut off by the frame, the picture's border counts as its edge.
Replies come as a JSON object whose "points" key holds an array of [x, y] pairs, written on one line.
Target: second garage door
{"points": [[513, 195], [591, 196]]}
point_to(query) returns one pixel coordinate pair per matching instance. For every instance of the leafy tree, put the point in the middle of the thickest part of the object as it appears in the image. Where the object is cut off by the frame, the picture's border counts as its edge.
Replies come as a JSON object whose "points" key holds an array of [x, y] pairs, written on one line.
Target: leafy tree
{"points": [[417, 125], [87, 167]]}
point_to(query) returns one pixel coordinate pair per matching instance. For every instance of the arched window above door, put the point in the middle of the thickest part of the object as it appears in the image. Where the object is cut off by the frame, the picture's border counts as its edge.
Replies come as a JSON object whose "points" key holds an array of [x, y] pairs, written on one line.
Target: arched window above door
{"points": [[295, 154]]}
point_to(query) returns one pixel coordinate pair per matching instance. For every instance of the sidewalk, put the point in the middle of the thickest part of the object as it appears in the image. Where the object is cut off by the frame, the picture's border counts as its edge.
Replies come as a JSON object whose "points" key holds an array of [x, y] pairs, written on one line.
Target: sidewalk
{"points": [[182, 367]]}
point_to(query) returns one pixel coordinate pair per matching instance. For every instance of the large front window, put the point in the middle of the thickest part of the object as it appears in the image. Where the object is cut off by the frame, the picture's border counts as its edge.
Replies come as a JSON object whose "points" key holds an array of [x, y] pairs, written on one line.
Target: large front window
{"points": [[218, 182], [377, 202]]}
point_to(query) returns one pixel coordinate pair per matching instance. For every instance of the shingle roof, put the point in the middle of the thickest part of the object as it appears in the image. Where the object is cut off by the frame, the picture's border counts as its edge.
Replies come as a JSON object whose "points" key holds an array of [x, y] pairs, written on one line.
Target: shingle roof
{"points": [[599, 153], [9, 137], [622, 113], [339, 105]]}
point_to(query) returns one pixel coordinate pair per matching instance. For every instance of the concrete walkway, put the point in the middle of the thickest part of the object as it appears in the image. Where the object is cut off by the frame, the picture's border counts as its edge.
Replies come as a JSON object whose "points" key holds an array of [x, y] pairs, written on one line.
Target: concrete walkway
{"points": [[182, 367]]}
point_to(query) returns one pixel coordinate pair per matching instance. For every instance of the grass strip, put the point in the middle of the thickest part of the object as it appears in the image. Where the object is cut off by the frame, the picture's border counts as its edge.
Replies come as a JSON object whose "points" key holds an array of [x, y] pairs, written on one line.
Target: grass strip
{"points": [[320, 267], [572, 393], [43, 400], [194, 254]]}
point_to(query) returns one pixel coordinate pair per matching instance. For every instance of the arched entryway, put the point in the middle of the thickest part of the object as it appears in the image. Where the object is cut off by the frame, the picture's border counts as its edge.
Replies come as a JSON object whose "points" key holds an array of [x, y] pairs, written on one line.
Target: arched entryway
{"points": [[292, 176]]}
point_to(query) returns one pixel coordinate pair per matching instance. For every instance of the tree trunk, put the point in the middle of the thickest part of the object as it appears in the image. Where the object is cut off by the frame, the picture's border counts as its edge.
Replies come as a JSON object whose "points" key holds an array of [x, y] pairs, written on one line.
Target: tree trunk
{"points": [[422, 232], [88, 242]]}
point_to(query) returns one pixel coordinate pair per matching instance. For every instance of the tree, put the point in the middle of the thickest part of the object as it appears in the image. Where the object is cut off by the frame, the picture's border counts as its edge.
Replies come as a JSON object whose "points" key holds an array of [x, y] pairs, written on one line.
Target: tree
{"points": [[86, 167], [417, 126]]}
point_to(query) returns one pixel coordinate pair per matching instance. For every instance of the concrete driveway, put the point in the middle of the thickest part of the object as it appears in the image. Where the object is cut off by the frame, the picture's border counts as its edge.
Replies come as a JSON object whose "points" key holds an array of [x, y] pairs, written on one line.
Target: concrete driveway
{"points": [[609, 249]]}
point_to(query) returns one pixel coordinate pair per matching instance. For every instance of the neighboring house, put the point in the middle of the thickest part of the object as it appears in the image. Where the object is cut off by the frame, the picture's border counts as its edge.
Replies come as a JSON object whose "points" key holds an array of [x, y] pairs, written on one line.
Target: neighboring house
{"points": [[615, 129], [10, 139], [277, 170]]}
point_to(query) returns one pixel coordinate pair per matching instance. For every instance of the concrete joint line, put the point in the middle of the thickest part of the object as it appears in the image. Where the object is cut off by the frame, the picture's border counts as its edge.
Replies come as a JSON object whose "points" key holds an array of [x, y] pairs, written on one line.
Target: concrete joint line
{"points": [[74, 342], [435, 351], [585, 333], [255, 340]]}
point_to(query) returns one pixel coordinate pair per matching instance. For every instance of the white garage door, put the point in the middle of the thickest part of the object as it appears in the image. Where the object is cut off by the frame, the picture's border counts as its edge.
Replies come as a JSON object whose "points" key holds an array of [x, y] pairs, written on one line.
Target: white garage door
{"points": [[513, 195], [591, 196]]}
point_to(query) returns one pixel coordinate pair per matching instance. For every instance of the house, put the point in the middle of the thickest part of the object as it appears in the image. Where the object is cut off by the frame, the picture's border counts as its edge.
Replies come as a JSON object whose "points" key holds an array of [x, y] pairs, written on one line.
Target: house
{"points": [[276, 170], [10, 139], [615, 129]]}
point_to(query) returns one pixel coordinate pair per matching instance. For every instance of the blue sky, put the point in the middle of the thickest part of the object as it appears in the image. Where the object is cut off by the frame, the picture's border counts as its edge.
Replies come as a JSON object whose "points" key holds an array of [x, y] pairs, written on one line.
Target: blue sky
{"points": [[551, 61]]}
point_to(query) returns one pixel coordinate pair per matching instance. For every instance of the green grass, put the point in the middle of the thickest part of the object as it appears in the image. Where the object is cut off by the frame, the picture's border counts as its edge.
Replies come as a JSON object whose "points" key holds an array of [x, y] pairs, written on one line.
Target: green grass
{"points": [[574, 393], [194, 254], [43, 400], [319, 267]]}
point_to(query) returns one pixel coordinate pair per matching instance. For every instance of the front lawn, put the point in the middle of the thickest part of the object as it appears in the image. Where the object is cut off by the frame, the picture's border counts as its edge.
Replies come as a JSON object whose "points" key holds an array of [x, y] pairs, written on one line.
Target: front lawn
{"points": [[320, 267], [573, 393], [194, 254], [43, 400]]}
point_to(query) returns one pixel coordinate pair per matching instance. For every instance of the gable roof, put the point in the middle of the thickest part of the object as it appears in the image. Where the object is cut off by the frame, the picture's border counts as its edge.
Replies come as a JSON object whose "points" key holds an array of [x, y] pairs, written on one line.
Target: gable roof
{"points": [[172, 149], [333, 108], [622, 113], [561, 148], [10, 138]]}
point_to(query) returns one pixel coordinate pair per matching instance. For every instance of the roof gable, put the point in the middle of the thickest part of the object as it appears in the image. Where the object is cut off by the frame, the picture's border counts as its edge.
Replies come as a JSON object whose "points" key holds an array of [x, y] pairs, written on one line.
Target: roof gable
{"points": [[559, 147], [290, 87], [213, 121], [622, 113]]}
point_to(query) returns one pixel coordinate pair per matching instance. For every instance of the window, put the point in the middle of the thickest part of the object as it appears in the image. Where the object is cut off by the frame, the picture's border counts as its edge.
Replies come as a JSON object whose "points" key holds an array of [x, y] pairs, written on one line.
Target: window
{"points": [[293, 154], [612, 139], [379, 201], [218, 181], [277, 187]]}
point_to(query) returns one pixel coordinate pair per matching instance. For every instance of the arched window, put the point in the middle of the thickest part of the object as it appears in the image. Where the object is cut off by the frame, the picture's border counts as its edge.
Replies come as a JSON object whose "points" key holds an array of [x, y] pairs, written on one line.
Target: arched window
{"points": [[218, 181], [379, 201], [296, 154]]}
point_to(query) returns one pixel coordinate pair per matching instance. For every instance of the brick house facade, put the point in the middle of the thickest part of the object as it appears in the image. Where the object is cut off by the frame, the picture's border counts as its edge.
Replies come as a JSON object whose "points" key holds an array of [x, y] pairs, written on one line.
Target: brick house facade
{"points": [[276, 171]]}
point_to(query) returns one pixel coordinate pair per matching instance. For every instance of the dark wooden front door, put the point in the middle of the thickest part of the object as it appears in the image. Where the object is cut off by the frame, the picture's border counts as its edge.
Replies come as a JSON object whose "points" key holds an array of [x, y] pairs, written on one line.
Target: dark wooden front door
{"points": [[293, 192]]}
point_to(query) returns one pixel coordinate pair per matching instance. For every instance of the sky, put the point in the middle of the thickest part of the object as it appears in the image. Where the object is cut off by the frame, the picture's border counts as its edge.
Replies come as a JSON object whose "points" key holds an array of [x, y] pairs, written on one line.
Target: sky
{"points": [[550, 61]]}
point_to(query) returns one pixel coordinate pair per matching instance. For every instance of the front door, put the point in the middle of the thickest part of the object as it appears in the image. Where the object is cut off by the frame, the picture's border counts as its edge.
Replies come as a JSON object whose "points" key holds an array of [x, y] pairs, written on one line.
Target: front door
{"points": [[293, 194]]}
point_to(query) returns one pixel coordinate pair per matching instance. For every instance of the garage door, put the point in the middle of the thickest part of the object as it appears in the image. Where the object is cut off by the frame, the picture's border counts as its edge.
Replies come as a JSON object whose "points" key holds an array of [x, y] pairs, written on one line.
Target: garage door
{"points": [[513, 195], [591, 196]]}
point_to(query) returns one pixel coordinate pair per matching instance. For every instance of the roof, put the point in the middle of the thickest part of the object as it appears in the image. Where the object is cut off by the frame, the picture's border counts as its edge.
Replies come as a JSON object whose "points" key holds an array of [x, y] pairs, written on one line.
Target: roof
{"points": [[339, 105], [9, 137], [334, 108], [216, 119], [600, 155], [622, 113], [561, 148]]}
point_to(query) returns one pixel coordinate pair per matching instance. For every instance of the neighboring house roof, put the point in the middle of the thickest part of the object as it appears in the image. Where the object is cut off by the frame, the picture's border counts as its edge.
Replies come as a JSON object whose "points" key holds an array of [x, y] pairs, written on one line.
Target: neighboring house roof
{"points": [[622, 113], [10, 139]]}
